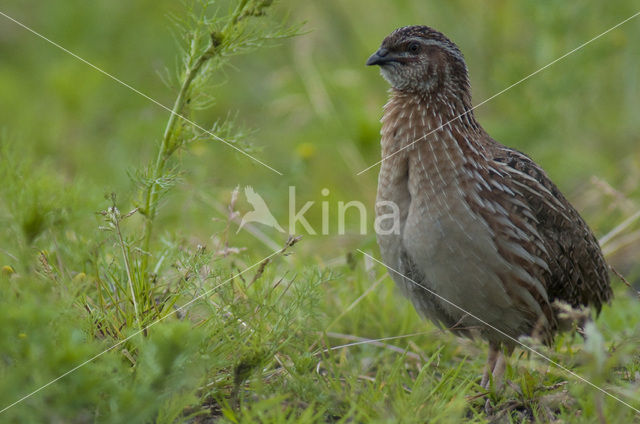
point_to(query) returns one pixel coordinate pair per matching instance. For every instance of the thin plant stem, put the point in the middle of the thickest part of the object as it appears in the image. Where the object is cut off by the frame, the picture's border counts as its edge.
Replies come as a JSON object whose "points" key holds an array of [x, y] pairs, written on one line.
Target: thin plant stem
{"points": [[151, 198], [127, 267]]}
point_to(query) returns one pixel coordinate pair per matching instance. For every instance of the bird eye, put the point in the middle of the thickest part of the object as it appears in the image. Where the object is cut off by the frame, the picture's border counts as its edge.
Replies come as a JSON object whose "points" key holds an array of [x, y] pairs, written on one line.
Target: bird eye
{"points": [[414, 47]]}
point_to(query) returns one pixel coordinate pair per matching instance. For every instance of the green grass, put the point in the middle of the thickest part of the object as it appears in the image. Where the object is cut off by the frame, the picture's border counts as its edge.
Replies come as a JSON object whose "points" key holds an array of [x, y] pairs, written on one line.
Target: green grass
{"points": [[241, 339]]}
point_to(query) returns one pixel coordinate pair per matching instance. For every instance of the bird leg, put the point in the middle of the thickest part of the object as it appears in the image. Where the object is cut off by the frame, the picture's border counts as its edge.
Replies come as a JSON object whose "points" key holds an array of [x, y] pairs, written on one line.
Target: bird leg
{"points": [[494, 370], [492, 358], [498, 371]]}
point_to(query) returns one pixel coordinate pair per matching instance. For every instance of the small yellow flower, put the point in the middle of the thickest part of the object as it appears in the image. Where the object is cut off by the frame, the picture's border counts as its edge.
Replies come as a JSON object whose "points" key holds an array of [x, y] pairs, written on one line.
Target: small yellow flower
{"points": [[8, 270], [306, 150], [22, 336], [79, 277]]}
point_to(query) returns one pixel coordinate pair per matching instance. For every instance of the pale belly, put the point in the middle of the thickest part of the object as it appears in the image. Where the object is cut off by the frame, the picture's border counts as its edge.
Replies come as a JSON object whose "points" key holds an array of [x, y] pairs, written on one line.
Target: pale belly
{"points": [[454, 270]]}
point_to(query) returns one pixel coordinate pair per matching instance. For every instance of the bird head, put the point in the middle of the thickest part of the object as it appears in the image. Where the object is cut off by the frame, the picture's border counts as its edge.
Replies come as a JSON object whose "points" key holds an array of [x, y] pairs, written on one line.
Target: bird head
{"points": [[419, 59]]}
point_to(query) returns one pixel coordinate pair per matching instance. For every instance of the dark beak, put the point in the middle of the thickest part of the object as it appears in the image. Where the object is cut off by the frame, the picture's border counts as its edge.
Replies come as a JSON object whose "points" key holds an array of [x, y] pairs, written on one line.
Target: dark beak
{"points": [[381, 57]]}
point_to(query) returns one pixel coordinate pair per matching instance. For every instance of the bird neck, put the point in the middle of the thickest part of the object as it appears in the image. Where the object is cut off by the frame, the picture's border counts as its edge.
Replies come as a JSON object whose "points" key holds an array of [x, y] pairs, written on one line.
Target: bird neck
{"points": [[412, 118], [432, 137]]}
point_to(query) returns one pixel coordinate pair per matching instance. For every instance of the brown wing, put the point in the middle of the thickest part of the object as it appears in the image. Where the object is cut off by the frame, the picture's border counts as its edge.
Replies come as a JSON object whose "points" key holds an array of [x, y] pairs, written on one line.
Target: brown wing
{"points": [[578, 273]]}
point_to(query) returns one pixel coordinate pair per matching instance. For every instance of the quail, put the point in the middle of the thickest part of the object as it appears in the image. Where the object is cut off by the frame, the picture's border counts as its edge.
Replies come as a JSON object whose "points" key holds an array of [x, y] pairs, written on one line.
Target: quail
{"points": [[485, 243]]}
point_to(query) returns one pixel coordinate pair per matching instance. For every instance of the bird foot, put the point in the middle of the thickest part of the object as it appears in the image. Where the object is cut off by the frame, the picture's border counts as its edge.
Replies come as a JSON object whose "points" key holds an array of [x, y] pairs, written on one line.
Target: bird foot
{"points": [[493, 376], [494, 370], [488, 408]]}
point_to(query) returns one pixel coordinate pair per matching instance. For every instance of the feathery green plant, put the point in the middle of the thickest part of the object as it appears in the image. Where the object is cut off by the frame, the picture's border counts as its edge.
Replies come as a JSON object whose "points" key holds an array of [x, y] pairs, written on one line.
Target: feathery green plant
{"points": [[209, 42], [209, 38]]}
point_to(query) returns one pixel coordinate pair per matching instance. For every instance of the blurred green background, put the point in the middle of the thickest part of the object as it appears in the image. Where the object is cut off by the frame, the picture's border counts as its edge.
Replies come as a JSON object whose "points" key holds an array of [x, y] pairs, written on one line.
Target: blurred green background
{"points": [[312, 110], [312, 106]]}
